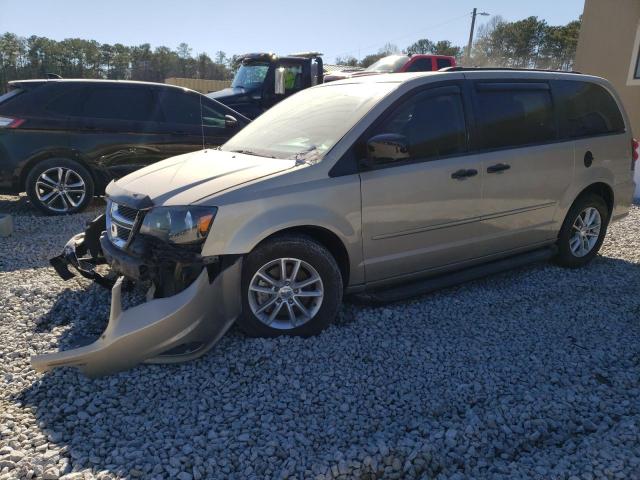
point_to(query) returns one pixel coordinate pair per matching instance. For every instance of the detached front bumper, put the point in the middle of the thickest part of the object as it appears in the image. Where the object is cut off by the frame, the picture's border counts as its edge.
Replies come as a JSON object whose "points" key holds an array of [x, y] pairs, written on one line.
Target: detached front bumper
{"points": [[175, 328]]}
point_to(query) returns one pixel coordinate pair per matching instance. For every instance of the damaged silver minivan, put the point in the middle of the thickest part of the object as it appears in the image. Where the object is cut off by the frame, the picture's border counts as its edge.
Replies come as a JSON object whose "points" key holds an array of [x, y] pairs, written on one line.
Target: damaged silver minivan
{"points": [[388, 185]]}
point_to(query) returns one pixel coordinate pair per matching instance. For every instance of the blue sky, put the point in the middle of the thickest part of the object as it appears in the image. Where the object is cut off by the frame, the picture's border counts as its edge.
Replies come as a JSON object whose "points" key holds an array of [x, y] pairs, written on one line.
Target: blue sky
{"points": [[334, 27]]}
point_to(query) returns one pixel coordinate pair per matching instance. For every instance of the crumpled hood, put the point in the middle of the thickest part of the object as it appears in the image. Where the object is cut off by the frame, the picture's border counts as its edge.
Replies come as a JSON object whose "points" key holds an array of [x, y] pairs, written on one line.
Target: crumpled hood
{"points": [[188, 178]]}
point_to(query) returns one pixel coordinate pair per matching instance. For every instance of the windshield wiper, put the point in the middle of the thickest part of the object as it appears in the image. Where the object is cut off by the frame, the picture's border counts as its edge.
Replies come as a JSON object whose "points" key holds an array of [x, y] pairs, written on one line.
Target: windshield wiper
{"points": [[301, 157], [249, 152]]}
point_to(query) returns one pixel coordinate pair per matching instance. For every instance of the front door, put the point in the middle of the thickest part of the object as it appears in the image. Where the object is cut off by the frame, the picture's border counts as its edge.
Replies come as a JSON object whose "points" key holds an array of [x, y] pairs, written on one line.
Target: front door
{"points": [[422, 212]]}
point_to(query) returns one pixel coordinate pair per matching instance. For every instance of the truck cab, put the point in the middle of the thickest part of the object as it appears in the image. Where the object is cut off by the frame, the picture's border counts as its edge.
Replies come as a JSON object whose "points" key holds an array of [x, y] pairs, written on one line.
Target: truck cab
{"points": [[264, 79]]}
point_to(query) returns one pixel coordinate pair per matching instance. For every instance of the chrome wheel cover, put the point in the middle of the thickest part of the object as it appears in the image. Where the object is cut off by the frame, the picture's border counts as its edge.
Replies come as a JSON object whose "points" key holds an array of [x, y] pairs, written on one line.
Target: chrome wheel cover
{"points": [[60, 189], [585, 232], [285, 293]]}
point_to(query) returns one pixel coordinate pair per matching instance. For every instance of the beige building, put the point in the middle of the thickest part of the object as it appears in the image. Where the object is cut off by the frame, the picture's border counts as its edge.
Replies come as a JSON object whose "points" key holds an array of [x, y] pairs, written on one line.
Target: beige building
{"points": [[609, 46], [202, 86]]}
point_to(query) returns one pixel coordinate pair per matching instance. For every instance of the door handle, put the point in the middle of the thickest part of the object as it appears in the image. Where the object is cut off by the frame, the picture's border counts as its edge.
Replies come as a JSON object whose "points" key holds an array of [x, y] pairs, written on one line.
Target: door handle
{"points": [[498, 167], [464, 173]]}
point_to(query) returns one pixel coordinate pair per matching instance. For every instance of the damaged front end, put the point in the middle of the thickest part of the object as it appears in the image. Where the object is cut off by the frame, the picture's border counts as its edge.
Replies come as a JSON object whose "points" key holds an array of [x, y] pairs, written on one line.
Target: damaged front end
{"points": [[191, 300]]}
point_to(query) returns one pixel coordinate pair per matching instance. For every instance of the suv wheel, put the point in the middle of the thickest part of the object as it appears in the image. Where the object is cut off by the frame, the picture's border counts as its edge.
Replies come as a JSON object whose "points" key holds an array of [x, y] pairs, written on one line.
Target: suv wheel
{"points": [[291, 285], [59, 186], [583, 231]]}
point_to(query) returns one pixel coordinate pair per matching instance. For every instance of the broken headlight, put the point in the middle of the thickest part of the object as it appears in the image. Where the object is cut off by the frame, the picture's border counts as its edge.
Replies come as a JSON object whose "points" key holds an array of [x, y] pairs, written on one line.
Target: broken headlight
{"points": [[180, 225]]}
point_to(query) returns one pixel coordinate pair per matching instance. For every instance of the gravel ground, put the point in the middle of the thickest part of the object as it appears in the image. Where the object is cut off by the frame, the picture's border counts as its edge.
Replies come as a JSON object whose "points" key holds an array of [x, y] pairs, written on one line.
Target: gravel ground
{"points": [[530, 374]]}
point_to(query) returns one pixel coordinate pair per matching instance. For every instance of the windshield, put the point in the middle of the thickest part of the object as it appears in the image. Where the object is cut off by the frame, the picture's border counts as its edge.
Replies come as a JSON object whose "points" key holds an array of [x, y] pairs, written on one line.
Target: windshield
{"points": [[251, 75], [389, 64], [306, 125]]}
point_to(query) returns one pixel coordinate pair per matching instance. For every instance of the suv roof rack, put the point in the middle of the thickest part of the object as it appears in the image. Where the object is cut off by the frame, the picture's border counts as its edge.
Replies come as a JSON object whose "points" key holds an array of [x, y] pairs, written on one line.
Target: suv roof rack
{"points": [[472, 69]]}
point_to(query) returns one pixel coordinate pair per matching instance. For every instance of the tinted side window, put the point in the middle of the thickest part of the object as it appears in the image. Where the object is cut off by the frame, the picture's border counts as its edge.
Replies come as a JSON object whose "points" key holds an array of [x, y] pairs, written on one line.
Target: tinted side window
{"points": [[588, 109], [443, 62], [66, 101], [514, 116], [420, 65], [432, 123], [118, 103], [184, 108], [9, 94]]}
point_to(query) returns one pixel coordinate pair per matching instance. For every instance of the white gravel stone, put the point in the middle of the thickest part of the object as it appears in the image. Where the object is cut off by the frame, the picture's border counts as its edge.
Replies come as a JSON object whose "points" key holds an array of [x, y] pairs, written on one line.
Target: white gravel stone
{"points": [[533, 373]]}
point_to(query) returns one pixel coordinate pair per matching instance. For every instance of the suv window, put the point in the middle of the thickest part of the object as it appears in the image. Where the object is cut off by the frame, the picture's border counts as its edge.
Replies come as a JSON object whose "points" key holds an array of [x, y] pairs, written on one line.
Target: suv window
{"points": [[420, 65], [588, 109], [117, 103], [432, 122], [443, 62], [184, 107], [512, 115], [67, 102]]}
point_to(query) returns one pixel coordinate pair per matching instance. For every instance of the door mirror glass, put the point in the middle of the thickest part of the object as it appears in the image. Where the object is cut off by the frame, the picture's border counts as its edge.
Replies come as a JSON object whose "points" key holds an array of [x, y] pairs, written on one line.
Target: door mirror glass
{"points": [[230, 121], [279, 86], [387, 147]]}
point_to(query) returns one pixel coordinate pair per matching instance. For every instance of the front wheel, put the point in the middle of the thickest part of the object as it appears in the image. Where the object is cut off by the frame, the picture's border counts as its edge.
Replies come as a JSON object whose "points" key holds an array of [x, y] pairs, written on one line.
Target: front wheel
{"points": [[291, 285], [583, 231], [59, 186]]}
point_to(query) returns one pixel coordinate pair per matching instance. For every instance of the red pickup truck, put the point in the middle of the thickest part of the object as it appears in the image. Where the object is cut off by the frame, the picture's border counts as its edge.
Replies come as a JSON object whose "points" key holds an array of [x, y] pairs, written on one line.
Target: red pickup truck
{"points": [[398, 63]]}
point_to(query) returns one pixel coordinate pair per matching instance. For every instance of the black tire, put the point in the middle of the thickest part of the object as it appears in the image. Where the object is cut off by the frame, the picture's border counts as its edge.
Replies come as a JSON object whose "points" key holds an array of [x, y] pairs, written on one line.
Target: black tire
{"points": [[566, 257], [307, 250], [71, 199]]}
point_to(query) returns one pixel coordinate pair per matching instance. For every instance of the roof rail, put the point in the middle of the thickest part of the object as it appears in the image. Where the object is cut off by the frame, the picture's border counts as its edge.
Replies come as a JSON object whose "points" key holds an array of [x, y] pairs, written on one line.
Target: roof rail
{"points": [[472, 69]]}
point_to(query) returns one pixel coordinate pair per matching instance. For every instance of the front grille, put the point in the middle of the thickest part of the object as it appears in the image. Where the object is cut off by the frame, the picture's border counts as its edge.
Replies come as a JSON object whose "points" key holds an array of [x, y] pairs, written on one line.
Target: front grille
{"points": [[120, 223], [127, 212]]}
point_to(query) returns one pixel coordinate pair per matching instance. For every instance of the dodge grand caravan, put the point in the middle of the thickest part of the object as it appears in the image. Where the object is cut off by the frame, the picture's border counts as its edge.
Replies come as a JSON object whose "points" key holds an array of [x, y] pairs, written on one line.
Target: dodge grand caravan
{"points": [[386, 185]]}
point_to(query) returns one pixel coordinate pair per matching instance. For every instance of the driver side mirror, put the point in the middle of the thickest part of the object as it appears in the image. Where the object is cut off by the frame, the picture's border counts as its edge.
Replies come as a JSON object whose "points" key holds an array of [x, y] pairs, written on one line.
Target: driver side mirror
{"points": [[230, 121], [386, 148], [279, 81]]}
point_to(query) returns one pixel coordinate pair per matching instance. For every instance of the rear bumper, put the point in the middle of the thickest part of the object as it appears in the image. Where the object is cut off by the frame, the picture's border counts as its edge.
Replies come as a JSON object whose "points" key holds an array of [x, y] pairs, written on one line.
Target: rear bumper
{"points": [[174, 328]]}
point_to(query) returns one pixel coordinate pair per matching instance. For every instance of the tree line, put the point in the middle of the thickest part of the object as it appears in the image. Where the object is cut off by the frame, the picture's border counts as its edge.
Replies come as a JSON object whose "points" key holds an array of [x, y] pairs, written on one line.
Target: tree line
{"points": [[35, 57], [527, 43]]}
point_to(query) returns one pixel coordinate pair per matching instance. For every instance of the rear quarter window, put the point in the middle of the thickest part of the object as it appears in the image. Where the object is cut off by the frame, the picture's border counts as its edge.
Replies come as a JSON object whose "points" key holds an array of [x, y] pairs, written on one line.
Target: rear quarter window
{"points": [[7, 101], [587, 109], [513, 115]]}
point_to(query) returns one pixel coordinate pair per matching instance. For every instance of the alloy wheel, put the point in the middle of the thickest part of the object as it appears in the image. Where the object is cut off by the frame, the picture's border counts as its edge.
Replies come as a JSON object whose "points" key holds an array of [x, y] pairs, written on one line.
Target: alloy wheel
{"points": [[285, 293], [60, 189], [585, 232]]}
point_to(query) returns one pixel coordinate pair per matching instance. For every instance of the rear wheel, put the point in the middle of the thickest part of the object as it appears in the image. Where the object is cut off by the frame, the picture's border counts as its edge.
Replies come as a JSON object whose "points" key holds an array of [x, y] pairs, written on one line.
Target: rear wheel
{"points": [[291, 285], [583, 231], [59, 186]]}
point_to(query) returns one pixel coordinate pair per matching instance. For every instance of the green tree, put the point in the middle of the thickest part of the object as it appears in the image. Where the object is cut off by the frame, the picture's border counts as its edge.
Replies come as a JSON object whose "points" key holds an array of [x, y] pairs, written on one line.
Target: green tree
{"points": [[445, 47], [348, 61], [422, 46], [371, 59]]}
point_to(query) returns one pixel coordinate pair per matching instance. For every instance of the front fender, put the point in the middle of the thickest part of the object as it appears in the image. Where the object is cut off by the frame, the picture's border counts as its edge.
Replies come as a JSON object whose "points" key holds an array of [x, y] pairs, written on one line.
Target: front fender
{"points": [[332, 204]]}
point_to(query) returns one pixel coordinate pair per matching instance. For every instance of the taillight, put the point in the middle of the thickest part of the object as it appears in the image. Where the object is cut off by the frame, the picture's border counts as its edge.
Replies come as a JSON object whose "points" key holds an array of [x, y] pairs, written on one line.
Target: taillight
{"points": [[635, 152], [7, 122]]}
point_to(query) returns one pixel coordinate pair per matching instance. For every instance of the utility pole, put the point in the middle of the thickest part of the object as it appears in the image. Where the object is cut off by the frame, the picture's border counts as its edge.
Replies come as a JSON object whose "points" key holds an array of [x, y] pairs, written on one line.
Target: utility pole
{"points": [[473, 25]]}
